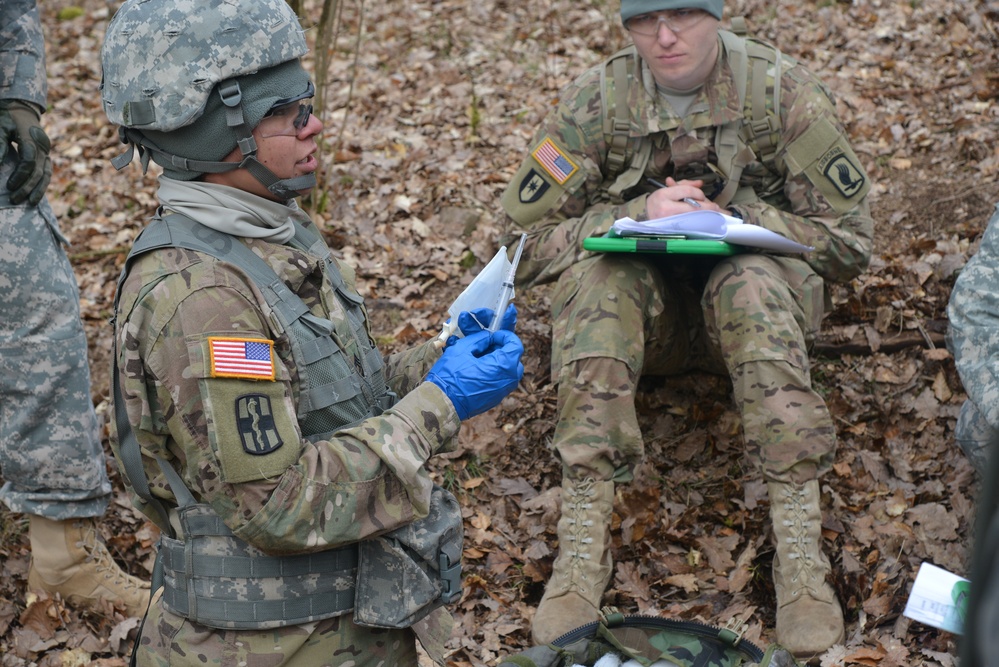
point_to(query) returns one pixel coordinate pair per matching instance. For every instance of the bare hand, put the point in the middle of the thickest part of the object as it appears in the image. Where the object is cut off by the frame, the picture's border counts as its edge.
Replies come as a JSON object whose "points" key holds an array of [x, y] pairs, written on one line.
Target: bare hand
{"points": [[671, 199]]}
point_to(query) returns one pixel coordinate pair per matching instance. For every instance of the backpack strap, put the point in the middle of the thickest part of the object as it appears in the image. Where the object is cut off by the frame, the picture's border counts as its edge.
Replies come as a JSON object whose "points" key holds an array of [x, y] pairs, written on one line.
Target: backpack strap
{"points": [[756, 136], [618, 125], [762, 129], [621, 170]]}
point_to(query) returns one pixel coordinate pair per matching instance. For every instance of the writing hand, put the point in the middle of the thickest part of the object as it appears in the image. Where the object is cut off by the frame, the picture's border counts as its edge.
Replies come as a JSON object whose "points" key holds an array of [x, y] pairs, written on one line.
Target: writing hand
{"points": [[674, 197]]}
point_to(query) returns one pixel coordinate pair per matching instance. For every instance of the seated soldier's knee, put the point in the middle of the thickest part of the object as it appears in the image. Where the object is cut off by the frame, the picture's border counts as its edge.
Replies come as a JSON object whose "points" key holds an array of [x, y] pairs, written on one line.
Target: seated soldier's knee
{"points": [[600, 309], [608, 283], [740, 269]]}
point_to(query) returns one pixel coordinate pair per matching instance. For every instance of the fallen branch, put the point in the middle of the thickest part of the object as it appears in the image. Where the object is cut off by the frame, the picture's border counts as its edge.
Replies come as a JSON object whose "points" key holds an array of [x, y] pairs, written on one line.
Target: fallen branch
{"points": [[930, 335], [97, 254]]}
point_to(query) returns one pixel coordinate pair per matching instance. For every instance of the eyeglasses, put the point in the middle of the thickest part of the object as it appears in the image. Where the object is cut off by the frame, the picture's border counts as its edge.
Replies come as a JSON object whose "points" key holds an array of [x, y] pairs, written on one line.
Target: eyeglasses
{"points": [[285, 120], [677, 20]]}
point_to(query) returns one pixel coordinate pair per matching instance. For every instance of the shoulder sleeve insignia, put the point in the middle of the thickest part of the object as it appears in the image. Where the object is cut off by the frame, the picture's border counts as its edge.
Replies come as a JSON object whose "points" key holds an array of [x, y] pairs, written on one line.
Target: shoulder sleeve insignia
{"points": [[532, 187], [245, 358], [554, 161], [255, 422], [842, 173]]}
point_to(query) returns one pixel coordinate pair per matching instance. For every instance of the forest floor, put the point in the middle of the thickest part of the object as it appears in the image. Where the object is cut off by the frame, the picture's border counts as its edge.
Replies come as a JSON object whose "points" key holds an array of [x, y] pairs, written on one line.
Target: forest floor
{"points": [[428, 115]]}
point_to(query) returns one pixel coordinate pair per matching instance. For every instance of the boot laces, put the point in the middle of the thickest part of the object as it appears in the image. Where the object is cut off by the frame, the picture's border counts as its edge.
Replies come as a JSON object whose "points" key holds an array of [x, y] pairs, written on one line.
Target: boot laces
{"points": [[800, 540], [98, 554], [577, 504]]}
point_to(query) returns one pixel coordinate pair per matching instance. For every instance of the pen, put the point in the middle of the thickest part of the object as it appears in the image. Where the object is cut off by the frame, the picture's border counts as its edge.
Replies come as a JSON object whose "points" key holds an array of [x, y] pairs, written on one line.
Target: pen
{"points": [[686, 200]]}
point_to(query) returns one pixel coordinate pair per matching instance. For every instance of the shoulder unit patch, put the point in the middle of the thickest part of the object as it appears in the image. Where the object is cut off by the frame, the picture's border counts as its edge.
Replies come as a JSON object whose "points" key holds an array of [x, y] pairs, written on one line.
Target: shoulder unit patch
{"points": [[842, 173], [532, 187], [255, 422]]}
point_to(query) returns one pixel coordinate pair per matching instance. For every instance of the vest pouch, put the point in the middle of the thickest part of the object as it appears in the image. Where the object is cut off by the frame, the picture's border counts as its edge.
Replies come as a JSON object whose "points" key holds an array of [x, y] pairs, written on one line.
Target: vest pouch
{"points": [[217, 579], [404, 575]]}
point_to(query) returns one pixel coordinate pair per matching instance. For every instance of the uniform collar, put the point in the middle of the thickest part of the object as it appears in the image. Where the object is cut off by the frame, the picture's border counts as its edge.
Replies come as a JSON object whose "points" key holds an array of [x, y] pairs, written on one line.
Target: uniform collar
{"points": [[717, 103]]}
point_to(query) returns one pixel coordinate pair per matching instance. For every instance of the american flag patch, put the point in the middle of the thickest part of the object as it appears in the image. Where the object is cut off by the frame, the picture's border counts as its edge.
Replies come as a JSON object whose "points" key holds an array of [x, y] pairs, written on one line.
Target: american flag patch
{"points": [[554, 161], [247, 358]]}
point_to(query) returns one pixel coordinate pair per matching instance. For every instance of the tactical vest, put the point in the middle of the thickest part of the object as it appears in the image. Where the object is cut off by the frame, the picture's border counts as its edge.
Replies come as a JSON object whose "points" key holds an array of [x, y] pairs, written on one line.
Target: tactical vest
{"points": [[754, 136], [210, 575]]}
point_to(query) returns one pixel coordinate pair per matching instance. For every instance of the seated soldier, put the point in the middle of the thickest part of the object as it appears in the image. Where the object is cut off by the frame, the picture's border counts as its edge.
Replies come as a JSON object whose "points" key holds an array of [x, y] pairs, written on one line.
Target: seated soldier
{"points": [[731, 125]]}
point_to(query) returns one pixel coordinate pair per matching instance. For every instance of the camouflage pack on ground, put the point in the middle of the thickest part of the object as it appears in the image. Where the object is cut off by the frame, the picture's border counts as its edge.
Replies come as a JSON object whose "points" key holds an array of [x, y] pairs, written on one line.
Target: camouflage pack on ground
{"points": [[652, 640]]}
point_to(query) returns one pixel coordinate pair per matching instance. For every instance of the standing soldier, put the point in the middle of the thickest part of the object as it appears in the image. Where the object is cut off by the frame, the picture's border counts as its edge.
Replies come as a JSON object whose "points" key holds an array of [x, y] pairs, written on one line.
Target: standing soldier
{"points": [[256, 422], [973, 322], [727, 124], [50, 447]]}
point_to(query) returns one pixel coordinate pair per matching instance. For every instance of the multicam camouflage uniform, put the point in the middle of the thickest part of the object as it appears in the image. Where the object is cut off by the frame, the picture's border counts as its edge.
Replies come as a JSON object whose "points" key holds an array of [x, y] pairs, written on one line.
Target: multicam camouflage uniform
{"points": [[616, 317], [294, 496], [256, 422], [973, 337], [50, 450]]}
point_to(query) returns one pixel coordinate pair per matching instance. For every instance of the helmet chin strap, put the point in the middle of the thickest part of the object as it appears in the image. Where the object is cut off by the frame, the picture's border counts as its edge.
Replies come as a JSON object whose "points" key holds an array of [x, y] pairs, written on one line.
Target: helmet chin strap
{"points": [[282, 188]]}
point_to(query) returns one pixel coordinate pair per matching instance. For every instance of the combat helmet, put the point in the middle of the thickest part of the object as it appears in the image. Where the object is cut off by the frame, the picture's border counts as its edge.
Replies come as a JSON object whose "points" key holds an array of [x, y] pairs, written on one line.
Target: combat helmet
{"points": [[186, 81]]}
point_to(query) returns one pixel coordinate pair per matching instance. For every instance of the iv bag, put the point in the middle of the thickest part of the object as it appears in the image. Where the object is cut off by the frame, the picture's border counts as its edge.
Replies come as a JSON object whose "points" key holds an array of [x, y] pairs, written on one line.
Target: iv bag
{"points": [[483, 292]]}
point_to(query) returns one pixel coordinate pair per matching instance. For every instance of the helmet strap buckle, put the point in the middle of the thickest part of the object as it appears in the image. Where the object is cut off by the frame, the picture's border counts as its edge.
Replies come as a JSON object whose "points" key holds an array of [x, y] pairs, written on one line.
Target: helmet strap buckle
{"points": [[230, 93], [247, 146]]}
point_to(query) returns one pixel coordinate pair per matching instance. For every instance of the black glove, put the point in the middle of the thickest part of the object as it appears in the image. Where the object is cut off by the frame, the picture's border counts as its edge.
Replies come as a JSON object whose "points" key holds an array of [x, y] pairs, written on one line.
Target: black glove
{"points": [[20, 123]]}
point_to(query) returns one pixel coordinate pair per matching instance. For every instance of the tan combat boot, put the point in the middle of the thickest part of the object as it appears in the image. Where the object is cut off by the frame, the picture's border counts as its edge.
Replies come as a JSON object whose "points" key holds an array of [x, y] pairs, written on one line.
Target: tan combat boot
{"points": [[68, 558], [583, 567], [809, 617]]}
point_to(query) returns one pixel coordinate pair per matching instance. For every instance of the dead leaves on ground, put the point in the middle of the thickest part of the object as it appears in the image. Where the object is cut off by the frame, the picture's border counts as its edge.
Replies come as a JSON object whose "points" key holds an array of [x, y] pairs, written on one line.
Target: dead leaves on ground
{"points": [[424, 129]]}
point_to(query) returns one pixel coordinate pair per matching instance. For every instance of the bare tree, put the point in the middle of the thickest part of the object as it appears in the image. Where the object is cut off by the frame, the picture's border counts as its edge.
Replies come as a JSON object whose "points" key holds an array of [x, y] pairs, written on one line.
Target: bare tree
{"points": [[328, 31]]}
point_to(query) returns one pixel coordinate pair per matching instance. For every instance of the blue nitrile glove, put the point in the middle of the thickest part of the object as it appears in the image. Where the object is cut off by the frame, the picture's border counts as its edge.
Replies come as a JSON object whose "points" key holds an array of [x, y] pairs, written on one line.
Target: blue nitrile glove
{"points": [[476, 320], [479, 370]]}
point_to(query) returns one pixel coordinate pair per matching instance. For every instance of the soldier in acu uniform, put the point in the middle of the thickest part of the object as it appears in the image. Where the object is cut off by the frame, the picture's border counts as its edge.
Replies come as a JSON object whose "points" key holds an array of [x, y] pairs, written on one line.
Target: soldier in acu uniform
{"points": [[726, 124], [50, 447], [973, 339], [257, 424]]}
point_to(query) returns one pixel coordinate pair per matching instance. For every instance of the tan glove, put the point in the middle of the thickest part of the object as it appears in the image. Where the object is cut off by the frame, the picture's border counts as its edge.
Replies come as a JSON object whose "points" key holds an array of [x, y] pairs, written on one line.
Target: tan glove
{"points": [[20, 124]]}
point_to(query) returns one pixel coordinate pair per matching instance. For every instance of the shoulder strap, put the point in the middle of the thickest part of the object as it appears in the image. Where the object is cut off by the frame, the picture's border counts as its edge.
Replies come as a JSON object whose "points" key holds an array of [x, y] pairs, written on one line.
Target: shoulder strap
{"points": [[757, 134], [621, 170], [618, 124], [763, 129], [754, 61], [128, 445]]}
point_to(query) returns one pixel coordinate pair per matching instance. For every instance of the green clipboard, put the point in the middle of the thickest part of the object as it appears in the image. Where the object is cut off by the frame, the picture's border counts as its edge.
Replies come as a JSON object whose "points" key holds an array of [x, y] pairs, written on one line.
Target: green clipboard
{"points": [[660, 245]]}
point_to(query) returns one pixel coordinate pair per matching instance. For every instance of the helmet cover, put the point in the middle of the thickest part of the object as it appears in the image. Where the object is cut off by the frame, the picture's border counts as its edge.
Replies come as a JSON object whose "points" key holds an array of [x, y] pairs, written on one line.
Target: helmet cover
{"points": [[162, 58]]}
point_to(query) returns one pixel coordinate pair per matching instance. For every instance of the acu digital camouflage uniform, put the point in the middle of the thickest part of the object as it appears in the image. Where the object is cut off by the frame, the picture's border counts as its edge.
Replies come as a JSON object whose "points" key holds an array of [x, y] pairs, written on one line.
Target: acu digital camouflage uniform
{"points": [[50, 449], [751, 316], [973, 339]]}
